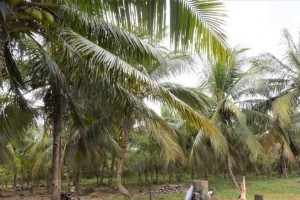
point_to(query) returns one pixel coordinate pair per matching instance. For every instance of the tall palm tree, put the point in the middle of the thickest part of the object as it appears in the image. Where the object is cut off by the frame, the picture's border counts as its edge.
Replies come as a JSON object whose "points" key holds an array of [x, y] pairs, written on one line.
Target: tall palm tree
{"points": [[278, 80], [277, 88], [222, 83]]}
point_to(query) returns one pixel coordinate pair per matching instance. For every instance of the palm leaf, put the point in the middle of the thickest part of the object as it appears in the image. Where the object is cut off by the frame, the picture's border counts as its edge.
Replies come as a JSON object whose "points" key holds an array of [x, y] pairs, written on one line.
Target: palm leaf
{"points": [[283, 107], [193, 24], [244, 134]]}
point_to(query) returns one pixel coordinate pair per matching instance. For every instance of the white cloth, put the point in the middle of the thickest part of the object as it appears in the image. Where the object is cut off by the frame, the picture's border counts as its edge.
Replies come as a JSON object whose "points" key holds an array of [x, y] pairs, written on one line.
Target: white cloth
{"points": [[189, 194]]}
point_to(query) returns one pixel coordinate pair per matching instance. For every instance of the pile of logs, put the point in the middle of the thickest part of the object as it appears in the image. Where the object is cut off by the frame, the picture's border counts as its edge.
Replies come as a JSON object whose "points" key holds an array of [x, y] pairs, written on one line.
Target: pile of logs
{"points": [[171, 188]]}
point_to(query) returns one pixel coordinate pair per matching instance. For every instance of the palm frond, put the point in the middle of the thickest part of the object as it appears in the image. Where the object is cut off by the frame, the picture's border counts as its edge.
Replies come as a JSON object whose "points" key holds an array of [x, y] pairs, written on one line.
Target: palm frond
{"points": [[244, 134], [14, 122], [193, 24], [283, 107], [204, 23], [190, 96], [41, 62], [173, 65], [13, 71], [99, 56], [127, 46], [292, 53], [258, 118], [268, 63]]}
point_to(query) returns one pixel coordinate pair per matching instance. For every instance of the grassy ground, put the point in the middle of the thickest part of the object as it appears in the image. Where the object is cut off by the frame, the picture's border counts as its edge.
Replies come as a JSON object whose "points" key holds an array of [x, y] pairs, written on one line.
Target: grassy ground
{"points": [[274, 189]]}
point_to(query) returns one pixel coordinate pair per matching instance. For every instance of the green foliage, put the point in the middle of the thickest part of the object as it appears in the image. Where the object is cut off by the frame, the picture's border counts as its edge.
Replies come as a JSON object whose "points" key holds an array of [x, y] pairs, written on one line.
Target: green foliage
{"points": [[92, 53], [6, 176]]}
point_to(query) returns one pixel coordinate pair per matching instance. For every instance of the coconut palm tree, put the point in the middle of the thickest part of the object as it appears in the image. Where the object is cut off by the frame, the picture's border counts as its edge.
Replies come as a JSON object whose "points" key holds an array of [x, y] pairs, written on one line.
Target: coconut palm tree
{"points": [[276, 86], [278, 81], [224, 80], [222, 83], [131, 109]]}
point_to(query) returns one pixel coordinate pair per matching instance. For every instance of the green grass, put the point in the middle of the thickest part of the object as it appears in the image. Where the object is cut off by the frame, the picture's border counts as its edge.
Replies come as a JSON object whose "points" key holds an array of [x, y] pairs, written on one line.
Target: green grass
{"points": [[275, 189]]}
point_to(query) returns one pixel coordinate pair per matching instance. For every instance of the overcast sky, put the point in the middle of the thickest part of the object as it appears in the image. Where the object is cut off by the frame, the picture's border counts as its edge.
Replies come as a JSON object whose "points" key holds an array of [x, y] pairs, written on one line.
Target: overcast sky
{"points": [[257, 25]]}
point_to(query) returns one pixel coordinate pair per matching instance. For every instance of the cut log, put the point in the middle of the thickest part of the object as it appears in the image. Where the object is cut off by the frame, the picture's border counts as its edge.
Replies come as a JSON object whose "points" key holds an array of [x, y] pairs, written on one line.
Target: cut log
{"points": [[200, 187], [258, 197], [152, 195], [243, 190]]}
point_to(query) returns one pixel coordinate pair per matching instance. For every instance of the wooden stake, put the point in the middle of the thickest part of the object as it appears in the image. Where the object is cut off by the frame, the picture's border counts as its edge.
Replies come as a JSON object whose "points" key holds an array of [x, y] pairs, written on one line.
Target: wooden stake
{"points": [[243, 190]]}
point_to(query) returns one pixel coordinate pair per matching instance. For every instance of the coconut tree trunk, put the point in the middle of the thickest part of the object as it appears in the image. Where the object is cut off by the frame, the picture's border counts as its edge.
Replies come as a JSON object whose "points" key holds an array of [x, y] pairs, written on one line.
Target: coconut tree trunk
{"points": [[28, 179], [102, 173], [229, 170], [78, 182], [3, 37], [156, 174], [127, 126], [206, 173], [228, 155], [256, 170], [192, 172], [146, 175], [15, 180], [56, 156], [283, 166], [151, 175], [170, 176], [112, 166], [140, 182], [68, 175], [48, 181]]}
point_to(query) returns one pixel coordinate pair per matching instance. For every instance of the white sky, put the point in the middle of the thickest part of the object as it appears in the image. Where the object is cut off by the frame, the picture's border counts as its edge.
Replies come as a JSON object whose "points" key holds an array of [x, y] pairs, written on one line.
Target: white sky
{"points": [[257, 25]]}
